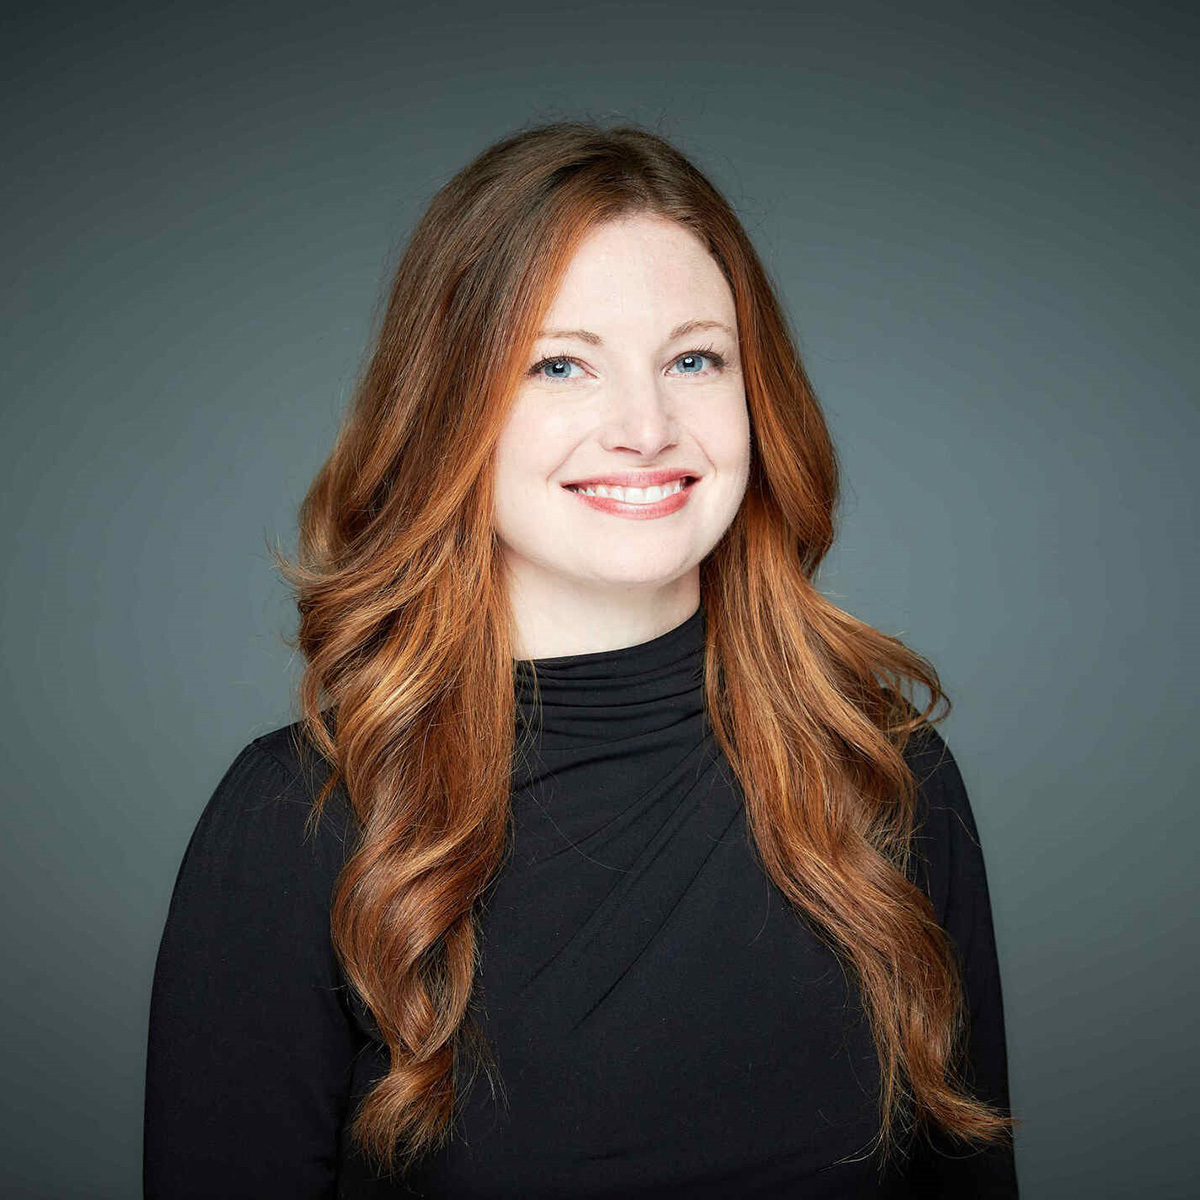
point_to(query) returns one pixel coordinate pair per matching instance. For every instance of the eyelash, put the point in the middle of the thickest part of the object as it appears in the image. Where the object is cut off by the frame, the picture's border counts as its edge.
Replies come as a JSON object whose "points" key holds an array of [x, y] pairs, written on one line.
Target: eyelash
{"points": [[701, 351]]}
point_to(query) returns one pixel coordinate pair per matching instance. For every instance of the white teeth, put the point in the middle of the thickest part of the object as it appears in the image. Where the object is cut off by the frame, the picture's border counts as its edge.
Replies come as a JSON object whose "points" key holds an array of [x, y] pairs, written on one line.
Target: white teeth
{"points": [[632, 495]]}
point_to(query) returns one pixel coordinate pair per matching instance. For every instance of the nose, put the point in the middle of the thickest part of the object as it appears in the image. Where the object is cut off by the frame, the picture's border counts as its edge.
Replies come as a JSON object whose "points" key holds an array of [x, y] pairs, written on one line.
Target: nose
{"points": [[641, 418]]}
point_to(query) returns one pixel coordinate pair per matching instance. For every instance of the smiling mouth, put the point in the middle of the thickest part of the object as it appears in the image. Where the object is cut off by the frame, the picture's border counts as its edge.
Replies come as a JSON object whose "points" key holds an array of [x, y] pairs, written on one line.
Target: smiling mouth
{"points": [[632, 495]]}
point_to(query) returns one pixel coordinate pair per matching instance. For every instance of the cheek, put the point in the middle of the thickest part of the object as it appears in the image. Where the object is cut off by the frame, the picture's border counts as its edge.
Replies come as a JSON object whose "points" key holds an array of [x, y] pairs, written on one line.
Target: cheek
{"points": [[532, 450], [536, 431], [726, 436], [517, 446], [528, 453]]}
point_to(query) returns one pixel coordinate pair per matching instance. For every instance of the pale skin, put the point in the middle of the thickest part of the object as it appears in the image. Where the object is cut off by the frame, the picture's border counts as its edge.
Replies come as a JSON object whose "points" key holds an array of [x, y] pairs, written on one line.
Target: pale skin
{"points": [[582, 580]]}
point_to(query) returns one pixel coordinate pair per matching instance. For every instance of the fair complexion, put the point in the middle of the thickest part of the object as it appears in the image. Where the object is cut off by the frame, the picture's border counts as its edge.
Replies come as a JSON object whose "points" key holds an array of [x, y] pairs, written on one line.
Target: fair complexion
{"points": [[625, 388]]}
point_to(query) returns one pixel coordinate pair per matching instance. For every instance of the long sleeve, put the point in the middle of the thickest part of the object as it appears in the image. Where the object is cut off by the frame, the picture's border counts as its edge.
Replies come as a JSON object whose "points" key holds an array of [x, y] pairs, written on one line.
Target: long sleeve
{"points": [[956, 881], [250, 1049]]}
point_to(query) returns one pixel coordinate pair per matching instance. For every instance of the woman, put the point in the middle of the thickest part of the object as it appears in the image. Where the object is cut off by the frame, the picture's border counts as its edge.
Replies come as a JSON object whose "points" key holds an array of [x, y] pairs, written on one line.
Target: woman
{"points": [[608, 857]]}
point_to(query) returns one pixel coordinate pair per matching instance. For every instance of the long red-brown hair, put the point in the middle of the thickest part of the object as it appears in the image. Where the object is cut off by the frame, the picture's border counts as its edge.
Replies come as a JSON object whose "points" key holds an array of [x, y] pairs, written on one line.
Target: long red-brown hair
{"points": [[406, 629]]}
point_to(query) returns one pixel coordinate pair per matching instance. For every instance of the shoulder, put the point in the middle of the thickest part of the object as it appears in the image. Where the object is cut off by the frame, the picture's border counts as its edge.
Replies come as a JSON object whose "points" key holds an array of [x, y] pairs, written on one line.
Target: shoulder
{"points": [[935, 767], [946, 845], [941, 792], [254, 886], [259, 812], [290, 748]]}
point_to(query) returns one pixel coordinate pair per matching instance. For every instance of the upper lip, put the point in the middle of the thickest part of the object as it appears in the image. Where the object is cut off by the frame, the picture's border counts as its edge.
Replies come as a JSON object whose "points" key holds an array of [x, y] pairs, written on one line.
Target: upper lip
{"points": [[638, 479]]}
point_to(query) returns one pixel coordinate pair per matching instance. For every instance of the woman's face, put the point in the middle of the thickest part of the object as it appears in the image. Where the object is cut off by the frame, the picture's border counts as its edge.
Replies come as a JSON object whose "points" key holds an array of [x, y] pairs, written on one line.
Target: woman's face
{"points": [[624, 389]]}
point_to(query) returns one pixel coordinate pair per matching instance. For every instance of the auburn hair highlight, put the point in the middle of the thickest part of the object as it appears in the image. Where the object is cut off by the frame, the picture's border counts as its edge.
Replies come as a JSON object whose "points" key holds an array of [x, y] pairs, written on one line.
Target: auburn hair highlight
{"points": [[407, 635]]}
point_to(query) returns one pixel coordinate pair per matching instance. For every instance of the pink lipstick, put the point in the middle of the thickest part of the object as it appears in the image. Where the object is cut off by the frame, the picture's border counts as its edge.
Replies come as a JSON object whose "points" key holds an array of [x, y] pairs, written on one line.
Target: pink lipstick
{"points": [[637, 511]]}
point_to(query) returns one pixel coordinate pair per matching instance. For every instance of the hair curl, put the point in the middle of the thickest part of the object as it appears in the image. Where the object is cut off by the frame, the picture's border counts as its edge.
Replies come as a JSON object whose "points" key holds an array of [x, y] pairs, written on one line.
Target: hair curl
{"points": [[407, 634]]}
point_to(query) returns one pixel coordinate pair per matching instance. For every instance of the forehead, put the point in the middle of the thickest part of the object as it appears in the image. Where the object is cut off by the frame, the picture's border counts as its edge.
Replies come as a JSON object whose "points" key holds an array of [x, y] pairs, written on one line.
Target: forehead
{"points": [[637, 268]]}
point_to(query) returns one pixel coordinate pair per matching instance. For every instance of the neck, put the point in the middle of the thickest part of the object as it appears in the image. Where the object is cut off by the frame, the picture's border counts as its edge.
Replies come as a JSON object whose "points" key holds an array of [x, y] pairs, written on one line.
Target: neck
{"points": [[562, 621]]}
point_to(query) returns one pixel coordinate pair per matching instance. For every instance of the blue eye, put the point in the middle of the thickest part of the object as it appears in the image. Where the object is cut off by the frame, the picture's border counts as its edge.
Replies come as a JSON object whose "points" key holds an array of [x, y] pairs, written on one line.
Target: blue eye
{"points": [[696, 355], [690, 356], [538, 367]]}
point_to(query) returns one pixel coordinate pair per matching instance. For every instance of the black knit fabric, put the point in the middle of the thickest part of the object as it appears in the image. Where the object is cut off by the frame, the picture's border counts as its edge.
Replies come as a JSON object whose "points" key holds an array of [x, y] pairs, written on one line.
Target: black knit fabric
{"points": [[664, 1024]]}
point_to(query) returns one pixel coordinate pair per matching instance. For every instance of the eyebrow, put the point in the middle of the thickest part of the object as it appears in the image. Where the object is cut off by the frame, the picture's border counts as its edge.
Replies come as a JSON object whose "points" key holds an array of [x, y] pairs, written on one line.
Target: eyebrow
{"points": [[586, 335]]}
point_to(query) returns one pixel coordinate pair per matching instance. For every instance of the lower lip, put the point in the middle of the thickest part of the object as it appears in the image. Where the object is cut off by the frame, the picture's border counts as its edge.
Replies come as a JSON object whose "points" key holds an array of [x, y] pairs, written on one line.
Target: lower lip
{"points": [[638, 512]]}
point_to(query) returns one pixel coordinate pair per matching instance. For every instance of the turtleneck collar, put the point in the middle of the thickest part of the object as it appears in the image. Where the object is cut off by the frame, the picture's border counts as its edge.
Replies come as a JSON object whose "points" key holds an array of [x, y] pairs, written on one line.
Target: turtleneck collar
{"points": [[614, 694]]}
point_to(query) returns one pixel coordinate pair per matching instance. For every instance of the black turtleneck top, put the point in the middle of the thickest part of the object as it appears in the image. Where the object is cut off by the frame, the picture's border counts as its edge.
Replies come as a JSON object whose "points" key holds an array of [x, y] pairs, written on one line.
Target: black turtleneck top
{"points": [[663, 1022]]}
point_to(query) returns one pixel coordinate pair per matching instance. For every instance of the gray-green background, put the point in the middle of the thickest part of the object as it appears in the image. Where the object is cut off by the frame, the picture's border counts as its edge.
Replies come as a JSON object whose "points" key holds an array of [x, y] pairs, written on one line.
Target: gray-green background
{"points": [[983, 222]]}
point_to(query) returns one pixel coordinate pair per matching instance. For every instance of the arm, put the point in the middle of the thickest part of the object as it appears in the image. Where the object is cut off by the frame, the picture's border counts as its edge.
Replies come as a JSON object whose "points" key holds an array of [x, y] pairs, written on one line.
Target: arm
{"points": [[250, 1049], [956, 881]]}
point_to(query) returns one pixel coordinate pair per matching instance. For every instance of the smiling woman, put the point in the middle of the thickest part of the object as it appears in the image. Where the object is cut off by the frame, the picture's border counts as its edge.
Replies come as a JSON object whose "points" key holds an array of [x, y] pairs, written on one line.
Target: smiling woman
{"points": [[593, 789], [642, 411]]}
